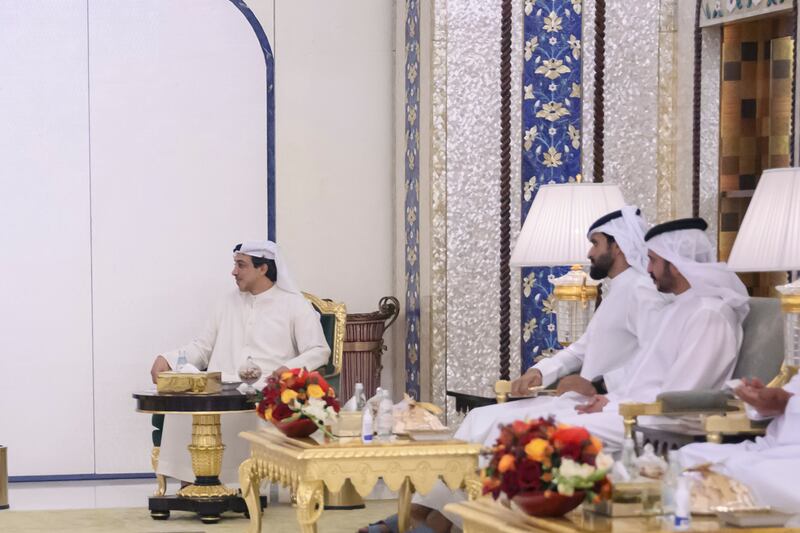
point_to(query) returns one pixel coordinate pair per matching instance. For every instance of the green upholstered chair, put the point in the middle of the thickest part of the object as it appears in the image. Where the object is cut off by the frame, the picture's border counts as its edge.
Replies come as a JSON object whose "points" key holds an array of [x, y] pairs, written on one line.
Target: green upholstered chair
{"points": [[333, 316], [721, 417]]}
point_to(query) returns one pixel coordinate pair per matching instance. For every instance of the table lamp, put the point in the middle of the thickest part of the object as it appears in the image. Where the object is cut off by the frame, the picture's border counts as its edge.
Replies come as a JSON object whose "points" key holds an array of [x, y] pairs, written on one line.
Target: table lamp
{"points": [[554, 234], [769, 241]]}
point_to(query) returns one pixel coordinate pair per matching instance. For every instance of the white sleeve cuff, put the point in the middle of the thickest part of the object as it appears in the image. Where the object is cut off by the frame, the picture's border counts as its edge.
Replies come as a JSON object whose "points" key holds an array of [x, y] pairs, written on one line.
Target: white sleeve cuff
{"points": [[549, 369]]}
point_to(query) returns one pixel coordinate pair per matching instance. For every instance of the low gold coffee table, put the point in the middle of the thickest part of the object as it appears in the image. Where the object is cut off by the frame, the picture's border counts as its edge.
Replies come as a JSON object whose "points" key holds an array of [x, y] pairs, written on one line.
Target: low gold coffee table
{"points": [[308, 466], [485, 515]]}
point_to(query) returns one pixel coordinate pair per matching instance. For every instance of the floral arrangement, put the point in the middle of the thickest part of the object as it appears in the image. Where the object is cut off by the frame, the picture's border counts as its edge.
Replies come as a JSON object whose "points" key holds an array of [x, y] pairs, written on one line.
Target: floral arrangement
{"points": [[540, 456], [298, 394]]}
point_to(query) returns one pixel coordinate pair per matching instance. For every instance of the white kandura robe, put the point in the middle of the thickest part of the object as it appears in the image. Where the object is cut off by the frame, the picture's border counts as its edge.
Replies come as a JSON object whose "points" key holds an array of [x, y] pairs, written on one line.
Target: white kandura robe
{"points": [[695, 348], [628, 315], [768, 466], [618, 330], [275, 328]]}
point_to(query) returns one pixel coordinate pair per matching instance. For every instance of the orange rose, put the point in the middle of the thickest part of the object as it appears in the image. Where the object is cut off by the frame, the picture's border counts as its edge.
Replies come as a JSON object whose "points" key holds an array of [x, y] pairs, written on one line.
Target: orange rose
{"points": [[536, 449], [507, 462]]}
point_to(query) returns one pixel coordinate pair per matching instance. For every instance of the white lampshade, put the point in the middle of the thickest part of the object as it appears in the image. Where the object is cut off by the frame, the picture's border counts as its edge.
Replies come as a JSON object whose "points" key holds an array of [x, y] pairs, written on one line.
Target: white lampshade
{"points": [[554, 232], [769, 237]]}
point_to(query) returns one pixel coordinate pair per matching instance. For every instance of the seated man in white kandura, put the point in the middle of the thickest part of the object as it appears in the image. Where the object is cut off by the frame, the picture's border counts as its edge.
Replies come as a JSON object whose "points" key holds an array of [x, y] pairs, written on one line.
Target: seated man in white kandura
{"points": [[700, 333], [770, 466], [267, 319], [623, 323], [617, 331]]}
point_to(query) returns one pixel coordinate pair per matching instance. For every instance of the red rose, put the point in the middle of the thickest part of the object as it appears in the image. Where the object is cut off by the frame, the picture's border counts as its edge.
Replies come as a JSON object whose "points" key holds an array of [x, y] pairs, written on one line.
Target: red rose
{"points": [[281, 411], [510, 484], [530, 473], [571, 435], [570, 450]]}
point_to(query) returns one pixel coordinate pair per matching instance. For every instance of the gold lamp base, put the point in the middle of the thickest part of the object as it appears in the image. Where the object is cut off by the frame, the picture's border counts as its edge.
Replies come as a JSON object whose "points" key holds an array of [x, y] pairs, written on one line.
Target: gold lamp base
{"points": [[575, 294]]}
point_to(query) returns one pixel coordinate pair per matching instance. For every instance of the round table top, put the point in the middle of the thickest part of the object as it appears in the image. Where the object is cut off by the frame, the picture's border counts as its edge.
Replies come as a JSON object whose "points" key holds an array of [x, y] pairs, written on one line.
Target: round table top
{"points": [[221, 402]]}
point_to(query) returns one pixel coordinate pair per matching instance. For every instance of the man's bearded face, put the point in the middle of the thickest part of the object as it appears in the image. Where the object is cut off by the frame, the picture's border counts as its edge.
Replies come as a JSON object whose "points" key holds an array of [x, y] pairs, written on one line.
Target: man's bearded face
{"points": [[600, 256], [659, 270]]}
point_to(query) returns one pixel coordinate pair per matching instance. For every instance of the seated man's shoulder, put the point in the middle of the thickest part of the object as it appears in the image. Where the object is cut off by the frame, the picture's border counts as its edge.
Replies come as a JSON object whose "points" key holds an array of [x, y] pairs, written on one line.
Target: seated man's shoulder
{"points": [[713, 308]]}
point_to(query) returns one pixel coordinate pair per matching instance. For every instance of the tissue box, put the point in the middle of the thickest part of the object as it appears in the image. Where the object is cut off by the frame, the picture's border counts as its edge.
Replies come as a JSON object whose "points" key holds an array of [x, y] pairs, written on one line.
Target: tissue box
{"points": [[347, 424], [199, 383], [632, 498]]}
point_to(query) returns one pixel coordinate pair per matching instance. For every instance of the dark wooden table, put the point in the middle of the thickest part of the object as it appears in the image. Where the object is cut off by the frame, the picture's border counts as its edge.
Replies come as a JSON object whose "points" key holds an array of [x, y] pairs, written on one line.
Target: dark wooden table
{"points": [[207, 496]]}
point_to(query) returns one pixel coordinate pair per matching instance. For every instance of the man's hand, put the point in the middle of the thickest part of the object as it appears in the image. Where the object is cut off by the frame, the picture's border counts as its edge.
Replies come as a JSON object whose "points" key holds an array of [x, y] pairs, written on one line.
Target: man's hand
{"points": [[531, 378], [594, 406], [767, 401], [575, 383], [279, 371], [159, 365]]}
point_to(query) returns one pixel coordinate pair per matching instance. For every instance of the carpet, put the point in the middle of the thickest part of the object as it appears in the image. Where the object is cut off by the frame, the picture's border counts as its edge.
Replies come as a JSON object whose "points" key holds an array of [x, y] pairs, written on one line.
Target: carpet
{"points": [[279, 517]]}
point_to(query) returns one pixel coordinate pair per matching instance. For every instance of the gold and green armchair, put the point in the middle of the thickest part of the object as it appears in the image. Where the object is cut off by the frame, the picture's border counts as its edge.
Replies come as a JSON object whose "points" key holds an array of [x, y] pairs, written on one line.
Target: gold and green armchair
{"points": [[716, 416]]}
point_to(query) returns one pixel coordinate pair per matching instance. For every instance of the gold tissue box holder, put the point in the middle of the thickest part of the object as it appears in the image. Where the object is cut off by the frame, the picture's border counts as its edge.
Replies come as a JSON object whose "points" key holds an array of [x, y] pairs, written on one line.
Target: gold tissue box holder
{"points": [[199, 383], [631, 498], [347, 424]]}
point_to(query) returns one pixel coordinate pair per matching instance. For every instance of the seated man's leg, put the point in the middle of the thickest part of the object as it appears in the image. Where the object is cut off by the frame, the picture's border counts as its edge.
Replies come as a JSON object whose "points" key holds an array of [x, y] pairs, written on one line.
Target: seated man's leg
{"points": [[534, 408], [174, 460], [700, 453]]}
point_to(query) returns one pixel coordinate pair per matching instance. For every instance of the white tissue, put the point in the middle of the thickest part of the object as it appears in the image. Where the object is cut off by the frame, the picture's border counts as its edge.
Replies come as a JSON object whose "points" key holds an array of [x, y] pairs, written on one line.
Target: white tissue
{"points": [[189, 368]]}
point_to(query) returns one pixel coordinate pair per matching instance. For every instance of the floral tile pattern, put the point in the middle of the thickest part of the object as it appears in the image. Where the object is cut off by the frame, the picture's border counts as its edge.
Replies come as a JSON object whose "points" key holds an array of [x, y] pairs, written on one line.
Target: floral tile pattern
{"points": [[412, 362], [551, 143]]}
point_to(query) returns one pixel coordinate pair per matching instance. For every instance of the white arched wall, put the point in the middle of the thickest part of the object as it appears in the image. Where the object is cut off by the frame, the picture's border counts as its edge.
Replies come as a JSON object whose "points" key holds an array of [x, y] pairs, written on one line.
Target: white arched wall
{"points": [[136, 186]]}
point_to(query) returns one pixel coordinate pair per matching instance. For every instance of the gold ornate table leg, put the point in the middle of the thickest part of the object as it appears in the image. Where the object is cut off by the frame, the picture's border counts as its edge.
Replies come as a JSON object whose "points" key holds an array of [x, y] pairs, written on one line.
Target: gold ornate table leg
{"points": [[206, 450], [161, 481], [404, 505], [250, 482], [473, 487], [310, 503]]}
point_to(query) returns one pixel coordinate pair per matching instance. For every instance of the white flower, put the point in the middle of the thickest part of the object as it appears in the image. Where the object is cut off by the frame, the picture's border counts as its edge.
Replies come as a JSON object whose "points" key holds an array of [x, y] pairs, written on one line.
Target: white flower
{"points": [[552, 41], [570, 468], [552, 87], [603, 461]]}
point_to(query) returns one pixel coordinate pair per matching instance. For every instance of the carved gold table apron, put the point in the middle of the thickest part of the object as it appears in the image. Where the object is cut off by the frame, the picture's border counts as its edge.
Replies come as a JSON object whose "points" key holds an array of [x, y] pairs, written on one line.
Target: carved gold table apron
{"points": [[207, 496], [307, 466], [485, 515]]}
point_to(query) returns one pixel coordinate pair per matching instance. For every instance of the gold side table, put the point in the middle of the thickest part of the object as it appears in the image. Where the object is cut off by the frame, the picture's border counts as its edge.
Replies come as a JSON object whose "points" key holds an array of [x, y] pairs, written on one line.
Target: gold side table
{"points": [[308, 466], [207, 496]]}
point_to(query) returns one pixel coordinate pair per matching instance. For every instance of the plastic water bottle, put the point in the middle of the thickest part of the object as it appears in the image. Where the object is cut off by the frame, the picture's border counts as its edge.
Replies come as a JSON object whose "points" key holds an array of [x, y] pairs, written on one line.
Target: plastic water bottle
{"points": [[181, 361], [683, 506], [366, 426], [629, 456], [361, 400], [385, 417], [669, 485]]}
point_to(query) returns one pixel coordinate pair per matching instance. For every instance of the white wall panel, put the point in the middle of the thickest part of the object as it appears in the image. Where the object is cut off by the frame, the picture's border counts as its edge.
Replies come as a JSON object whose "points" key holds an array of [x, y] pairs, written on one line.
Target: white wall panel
{"points": [[45, 340], [335, 141], [178, 135]]}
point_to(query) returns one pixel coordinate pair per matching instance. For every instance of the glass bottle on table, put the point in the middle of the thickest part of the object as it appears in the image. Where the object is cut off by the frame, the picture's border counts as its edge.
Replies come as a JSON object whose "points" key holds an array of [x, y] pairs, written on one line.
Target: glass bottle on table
{"points": [[385, 421], [669, 485], [361, 400], [181, 361]]}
